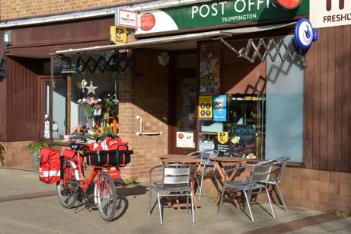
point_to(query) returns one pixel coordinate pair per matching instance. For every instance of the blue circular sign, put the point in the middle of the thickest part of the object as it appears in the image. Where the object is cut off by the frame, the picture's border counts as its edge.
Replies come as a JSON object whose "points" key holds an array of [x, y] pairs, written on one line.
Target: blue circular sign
{"points": [[304, 33]]}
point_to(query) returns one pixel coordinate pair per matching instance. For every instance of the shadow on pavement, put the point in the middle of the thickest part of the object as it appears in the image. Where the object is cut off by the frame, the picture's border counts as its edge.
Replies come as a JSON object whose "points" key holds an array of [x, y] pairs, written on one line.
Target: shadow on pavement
{"points": [[295, 225]]}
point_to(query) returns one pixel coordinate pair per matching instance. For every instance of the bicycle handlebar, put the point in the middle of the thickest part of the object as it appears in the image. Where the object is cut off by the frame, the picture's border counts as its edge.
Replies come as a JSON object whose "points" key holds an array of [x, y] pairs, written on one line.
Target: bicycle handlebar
{"points": [[78, 146]]}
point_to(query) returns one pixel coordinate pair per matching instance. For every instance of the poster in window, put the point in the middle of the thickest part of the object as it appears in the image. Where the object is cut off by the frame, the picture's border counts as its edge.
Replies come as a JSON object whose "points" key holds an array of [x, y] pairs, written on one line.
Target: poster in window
{"points": [[205, 107], [220, 108], [206, 144], [243, 140], [210, 68], [185, 140]]}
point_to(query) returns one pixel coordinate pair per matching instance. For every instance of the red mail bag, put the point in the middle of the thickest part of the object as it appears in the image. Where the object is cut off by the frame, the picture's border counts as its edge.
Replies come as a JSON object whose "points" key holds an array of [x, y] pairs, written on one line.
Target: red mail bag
{"points": [[49, 166]]}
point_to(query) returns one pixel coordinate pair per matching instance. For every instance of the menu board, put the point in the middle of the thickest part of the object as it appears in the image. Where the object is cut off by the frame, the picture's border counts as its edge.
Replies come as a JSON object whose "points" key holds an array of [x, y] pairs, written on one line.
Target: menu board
{"points": [[210, 68], [243, 139]]}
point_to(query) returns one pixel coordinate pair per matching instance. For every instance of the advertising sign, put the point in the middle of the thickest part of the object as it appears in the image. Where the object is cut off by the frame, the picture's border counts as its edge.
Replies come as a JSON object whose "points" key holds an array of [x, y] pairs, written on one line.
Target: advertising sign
{"points": [[118, 35], [210, 68], [330, 13], [223, 143], [185, 140], [128, 19], [216, 13], [205, 107], [220, 108]]}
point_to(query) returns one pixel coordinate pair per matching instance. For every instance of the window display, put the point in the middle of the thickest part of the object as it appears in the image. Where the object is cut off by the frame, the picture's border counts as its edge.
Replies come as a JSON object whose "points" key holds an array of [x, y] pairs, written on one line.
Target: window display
{"points": [[85, 101]]}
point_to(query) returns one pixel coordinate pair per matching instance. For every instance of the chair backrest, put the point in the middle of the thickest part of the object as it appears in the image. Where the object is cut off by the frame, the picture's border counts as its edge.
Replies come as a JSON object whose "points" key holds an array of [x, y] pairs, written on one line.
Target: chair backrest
{"points": [[195, 153], [176, 174], [261, 171], [282, 163], [208, 154]]}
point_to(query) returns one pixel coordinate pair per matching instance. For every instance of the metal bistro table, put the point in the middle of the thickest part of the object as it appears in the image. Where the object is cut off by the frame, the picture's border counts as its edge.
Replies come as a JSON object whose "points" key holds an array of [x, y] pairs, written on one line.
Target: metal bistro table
{"points": [[184, 159], [180, 158]]}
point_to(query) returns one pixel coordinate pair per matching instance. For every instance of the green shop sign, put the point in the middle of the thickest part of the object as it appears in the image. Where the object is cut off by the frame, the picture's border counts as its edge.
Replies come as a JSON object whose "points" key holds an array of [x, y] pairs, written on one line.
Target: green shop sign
{"points": [[217, 13]]}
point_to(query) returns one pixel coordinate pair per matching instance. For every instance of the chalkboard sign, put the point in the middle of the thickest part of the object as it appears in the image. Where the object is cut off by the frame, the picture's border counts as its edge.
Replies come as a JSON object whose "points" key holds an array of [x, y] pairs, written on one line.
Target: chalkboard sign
{"points": [[243, 139]]}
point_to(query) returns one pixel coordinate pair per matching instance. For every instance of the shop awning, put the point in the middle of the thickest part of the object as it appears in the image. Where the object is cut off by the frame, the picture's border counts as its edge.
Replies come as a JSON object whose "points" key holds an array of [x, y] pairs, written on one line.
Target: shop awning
{"points": [[144, 43]]}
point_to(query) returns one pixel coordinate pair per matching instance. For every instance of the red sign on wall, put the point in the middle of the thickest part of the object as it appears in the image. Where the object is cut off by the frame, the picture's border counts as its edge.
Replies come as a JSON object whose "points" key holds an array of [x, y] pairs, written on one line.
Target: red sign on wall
{"points": [[147, 21], [289, 4]]}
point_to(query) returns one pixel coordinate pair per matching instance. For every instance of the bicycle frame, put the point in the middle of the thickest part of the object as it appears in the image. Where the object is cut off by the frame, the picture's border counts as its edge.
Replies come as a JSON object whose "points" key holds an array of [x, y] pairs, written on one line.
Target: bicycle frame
{"points": [[78, 172]]}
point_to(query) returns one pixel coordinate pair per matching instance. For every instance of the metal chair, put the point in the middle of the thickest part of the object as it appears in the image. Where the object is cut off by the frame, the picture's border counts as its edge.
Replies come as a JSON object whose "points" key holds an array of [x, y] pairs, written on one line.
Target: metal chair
{"points": [[274, 181], [260, 173], [206, 162], [175, 182]]}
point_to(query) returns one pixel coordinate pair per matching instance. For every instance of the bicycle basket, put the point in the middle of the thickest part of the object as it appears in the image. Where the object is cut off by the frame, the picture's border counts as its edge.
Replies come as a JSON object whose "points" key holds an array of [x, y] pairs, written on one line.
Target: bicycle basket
{"points": [[115, 158]]}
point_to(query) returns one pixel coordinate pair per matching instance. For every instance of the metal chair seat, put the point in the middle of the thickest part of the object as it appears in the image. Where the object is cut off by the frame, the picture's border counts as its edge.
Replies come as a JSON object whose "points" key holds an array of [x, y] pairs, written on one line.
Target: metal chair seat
{"points": [[244, 185]]}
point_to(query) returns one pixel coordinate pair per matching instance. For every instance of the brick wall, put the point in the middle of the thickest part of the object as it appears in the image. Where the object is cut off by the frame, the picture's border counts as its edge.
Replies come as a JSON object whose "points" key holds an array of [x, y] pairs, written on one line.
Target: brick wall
{"points": [[10, 9], [315, 189], [17, 155], [144, 93]]}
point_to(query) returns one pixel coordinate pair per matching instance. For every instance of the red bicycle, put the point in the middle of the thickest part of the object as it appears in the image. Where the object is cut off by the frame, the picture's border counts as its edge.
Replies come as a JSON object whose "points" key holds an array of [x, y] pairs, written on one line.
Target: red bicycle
{"points": [[73, 185]]}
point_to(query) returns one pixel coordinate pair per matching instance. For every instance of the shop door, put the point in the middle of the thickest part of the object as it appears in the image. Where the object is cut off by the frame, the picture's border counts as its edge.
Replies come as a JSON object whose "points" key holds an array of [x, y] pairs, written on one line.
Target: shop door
{"points": [[59, 111], [183, 100]]}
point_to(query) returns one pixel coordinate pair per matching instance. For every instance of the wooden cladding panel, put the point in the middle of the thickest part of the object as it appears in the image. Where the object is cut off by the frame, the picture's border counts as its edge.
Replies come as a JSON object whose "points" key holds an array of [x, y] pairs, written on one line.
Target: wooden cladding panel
{"points": [[23, 103], [327, 102], [41, 40], [61, 33], [3, 114]]}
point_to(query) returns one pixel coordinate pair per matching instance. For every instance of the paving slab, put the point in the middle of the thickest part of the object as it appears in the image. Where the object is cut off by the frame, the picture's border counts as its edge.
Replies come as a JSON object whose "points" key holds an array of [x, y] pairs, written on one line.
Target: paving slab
{"points": [[45, 215]]}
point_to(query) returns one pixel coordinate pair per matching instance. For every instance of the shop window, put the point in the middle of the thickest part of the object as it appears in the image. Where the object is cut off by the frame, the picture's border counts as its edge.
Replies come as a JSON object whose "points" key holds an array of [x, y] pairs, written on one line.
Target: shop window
{"points": [[284, 107], [85, 97], [259, 111]]}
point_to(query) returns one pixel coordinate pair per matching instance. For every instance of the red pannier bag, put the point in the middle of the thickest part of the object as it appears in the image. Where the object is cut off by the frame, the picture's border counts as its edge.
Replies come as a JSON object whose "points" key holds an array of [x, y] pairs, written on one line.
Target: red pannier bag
{"points": [[113, 143], [116, 144], [49, 166]]}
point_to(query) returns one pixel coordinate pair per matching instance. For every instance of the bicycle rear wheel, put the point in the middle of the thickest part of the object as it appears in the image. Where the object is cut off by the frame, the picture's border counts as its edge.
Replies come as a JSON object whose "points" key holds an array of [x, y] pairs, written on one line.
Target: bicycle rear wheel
{"points": [[106, 196], [67, 186]]}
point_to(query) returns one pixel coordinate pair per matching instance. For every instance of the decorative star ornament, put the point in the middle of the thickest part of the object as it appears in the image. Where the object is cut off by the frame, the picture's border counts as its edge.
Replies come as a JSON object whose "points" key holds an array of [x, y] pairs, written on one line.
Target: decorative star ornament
{"points": [[91, 88]]}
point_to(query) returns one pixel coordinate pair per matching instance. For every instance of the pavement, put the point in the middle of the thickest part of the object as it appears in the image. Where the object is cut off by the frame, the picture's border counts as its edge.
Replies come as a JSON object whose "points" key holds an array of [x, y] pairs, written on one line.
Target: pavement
{"points": [[28, 206]]}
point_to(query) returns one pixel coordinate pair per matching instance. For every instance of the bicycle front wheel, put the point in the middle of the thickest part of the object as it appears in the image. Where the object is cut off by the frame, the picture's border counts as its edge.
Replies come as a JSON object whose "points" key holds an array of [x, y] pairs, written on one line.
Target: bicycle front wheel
{"points": [[106, 196], [67, 186]]}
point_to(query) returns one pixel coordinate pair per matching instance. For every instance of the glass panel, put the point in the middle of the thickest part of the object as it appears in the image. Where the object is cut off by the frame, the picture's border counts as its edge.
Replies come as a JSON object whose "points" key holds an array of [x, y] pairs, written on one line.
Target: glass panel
{"points": [[284, 108], [46, 108], [246, 125], [59, 109]]}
